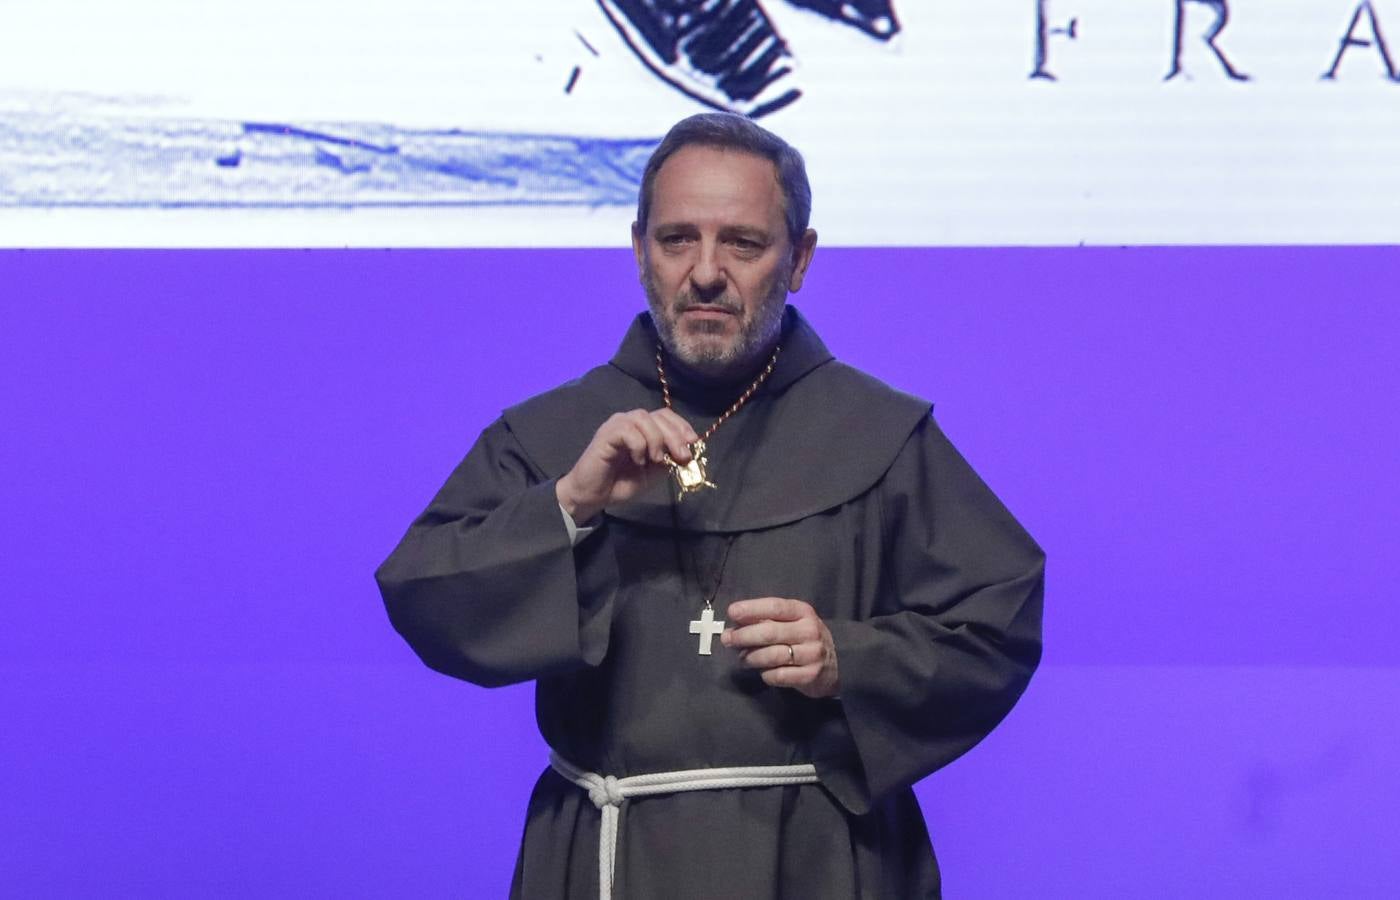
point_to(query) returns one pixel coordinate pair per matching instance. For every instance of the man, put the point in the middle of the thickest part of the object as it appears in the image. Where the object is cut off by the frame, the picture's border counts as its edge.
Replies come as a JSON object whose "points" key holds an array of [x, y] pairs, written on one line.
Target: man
{"points": [[880, 608]]}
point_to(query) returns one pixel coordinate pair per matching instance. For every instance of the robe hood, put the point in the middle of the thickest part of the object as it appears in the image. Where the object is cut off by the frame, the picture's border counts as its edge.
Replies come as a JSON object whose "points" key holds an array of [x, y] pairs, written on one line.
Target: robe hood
{"points": [[816, 434]]}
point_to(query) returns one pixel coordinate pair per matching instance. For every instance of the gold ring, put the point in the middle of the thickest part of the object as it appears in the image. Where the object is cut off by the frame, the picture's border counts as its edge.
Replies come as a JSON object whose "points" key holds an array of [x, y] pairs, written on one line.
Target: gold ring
{"points": [[792, 657]]}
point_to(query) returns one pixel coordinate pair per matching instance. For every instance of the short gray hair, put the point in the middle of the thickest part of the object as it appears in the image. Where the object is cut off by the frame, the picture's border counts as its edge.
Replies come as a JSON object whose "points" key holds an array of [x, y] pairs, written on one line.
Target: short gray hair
{"points": [[727, 131]]}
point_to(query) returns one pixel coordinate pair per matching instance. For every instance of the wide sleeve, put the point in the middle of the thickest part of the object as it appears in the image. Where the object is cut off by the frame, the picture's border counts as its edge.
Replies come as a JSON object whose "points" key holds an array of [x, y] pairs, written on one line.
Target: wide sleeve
{"points": [[485, 585], [955, 633]]}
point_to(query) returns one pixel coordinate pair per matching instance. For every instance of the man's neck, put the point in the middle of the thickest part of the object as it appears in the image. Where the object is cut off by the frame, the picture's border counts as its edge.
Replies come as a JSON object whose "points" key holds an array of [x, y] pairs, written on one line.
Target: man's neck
{"points": [[704, 386]]}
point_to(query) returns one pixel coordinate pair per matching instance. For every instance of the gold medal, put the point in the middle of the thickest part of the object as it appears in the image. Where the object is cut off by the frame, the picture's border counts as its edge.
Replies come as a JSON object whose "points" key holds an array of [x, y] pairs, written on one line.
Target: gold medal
{"points": [[694, 475]]}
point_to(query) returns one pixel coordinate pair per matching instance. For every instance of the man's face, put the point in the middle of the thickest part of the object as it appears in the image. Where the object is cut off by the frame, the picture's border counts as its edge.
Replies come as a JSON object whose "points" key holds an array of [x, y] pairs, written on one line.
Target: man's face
{"points": [[716, 260]]}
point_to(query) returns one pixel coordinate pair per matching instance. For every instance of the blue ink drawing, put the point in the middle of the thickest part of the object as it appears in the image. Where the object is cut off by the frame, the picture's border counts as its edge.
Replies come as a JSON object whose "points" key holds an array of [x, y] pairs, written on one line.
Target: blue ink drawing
{"points": [[74, 150], [727, 53], [67, 160]]}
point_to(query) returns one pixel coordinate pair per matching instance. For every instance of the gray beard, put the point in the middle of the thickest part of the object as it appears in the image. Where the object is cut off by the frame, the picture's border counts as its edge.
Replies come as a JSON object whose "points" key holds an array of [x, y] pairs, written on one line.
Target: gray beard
{"points": [[755, 339]]}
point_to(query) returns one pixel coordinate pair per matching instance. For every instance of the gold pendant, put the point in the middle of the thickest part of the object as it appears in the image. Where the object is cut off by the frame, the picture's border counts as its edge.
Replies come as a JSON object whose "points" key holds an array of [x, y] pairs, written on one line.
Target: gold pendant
{"points": [[692, 476]]}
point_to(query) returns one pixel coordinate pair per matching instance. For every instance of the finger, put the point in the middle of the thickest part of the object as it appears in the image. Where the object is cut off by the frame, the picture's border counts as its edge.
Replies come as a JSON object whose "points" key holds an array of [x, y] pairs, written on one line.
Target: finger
{"points": [[629, 439], [750, 637], [683, 428], [678, 434], [791, 676], [777, 655], [656, 440], [768, 632], [778, 608], [674, 440]]}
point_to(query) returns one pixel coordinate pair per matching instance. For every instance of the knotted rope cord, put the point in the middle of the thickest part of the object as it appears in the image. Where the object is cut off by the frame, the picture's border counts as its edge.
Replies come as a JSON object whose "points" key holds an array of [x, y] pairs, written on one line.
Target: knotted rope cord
{"points": [[608, 794]]}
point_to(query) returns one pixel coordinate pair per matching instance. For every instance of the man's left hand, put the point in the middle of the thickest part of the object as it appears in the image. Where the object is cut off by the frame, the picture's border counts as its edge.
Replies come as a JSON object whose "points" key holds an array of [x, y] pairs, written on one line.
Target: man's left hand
{"points": [[786, 641]]}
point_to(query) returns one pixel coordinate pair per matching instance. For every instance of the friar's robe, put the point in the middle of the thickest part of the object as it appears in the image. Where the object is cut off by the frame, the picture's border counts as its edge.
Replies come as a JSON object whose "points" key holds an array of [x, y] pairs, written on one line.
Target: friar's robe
{"points": [[832, 488]]}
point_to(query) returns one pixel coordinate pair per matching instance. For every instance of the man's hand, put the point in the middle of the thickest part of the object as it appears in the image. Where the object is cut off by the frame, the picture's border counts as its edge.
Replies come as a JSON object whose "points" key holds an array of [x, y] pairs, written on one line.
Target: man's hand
{"points": [[787, 641], [625, 454]]}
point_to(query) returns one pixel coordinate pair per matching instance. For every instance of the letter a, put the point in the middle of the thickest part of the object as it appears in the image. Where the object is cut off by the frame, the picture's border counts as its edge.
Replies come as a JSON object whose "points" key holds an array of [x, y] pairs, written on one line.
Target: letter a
{"points": [[1351, 40]]}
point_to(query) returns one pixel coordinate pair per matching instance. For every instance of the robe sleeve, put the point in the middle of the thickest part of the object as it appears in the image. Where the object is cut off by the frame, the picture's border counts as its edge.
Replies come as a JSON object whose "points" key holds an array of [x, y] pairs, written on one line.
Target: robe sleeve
{"points": [[486, 586], [956, 632]]}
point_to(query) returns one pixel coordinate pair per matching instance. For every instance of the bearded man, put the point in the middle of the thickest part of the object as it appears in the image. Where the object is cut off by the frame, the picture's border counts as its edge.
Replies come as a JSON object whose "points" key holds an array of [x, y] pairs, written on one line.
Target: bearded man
{"points": [[877, 609]]}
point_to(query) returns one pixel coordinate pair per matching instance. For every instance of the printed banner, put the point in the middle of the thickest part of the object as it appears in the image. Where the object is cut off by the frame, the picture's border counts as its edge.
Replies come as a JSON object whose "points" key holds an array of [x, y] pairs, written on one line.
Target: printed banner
{"points": [[924, 122]]}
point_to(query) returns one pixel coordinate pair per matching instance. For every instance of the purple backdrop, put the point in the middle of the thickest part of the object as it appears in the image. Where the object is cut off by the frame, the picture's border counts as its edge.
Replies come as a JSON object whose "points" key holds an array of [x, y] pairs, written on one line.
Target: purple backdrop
{"points": [[203, 455]]}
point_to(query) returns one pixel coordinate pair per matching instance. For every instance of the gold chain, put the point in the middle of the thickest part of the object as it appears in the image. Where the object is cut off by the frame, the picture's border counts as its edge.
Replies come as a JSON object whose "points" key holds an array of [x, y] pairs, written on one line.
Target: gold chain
{"points": [[743, 398]]}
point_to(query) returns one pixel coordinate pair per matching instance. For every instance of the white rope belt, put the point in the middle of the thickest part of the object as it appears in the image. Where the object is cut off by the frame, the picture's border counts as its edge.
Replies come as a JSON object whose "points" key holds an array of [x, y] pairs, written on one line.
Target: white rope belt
{"points": [[608, 793]]}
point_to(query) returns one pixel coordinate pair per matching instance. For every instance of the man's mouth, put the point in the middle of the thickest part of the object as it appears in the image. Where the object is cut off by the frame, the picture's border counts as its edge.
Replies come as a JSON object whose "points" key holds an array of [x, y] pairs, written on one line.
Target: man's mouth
{"points": [[708, 310]]}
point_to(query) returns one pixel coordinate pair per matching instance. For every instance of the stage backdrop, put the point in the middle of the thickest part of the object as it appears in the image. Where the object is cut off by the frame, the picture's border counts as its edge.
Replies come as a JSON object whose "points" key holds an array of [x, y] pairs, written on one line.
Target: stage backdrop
{"points": [[429, 122], [204, 453]]}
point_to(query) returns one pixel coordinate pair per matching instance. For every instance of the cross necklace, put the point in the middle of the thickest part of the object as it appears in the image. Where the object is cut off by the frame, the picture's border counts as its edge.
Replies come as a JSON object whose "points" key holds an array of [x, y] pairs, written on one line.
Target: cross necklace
{"points": [[692, 477], [707, 626]]}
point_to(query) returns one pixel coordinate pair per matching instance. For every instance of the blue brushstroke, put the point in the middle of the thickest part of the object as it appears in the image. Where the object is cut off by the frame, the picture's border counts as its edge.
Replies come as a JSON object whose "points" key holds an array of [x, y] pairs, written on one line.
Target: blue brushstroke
{"points": [[327, 158], [71, 158], [322, 137], [583, 40]]}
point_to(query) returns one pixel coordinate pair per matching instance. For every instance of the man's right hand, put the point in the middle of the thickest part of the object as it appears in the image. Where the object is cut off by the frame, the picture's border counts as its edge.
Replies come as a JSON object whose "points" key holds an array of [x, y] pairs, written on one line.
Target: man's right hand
{"points": [[626, 453]]}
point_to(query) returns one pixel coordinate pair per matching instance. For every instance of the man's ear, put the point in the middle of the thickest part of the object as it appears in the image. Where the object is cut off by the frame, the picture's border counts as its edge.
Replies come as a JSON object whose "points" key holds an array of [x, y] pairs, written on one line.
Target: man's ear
{"points": [[801, 259], [639, 251]]}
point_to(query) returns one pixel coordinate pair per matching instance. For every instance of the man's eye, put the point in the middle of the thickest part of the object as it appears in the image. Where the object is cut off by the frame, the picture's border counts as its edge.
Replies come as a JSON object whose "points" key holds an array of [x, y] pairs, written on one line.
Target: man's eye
{"points": [[745, 245], [673, 240]]}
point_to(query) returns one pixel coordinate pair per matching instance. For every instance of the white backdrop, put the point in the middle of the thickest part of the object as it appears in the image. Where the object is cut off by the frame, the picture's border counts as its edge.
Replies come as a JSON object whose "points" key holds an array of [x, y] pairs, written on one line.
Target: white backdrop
{"points": [[428, 123]]}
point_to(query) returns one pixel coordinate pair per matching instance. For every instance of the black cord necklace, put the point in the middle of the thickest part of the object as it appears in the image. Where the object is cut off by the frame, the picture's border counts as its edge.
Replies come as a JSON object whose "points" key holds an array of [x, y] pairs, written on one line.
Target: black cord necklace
{"points": [[707, 626]]}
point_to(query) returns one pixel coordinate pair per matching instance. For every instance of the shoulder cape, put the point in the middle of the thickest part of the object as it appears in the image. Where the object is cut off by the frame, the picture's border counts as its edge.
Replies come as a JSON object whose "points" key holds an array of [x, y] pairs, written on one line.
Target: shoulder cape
{"points": [[824, 434]]}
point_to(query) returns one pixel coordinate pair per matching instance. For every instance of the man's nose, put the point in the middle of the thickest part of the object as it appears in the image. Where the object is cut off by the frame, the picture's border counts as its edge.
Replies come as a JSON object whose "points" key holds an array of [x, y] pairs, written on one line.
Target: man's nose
{"points": [[707, 276]]}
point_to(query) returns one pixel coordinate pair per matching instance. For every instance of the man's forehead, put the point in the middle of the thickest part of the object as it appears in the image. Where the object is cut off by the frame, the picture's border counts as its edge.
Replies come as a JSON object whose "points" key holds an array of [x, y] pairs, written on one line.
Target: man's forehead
{"points": [[700, 179]]}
